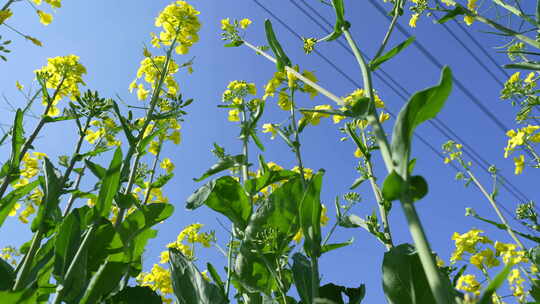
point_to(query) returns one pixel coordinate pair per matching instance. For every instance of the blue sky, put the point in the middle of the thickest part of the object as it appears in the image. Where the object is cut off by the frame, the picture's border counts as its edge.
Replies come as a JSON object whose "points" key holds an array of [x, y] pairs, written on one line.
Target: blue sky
{"points": [[109, 35]]}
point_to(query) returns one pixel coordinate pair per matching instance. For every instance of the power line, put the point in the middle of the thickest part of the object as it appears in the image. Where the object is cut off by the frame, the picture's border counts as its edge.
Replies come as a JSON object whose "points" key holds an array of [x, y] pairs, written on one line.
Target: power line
{"points": [[352, 81], [477, 158]]}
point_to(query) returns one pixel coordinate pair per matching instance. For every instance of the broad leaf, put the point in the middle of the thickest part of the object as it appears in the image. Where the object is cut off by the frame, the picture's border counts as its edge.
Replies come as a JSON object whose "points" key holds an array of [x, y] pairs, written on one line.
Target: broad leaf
{"points": [[422, 106], [226, 196], [254, 185], [226, 163], [7, 274], [301, 269], [96, 169], [109, 186], [189, 285], [393, 187], [104, 281], [48, 213], [310, 216], [404, 280], [136, 295]]}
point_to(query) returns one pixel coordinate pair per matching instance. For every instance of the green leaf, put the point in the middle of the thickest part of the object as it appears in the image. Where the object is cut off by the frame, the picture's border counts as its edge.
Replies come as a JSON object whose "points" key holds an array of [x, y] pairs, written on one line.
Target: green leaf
{"points": [[353, 221], [146, 141], [48, 213], [25, 296], [109, 186], [136, 295], [226, 196], [329, 247], [96, 169], [451, 14], [356, 295], [8, 201], [251, 270], [189, 285], [404, 280], [310, 216], [301, 269], [225, 163], [376, 62], [103, 245], [281, 58], [67, 241], [49, 119], [123, 122], [104, 281], [7, 274], [393, 187], [215, 276], [234, 43], [534, 66], [418, 187], [495, 284], [126, 201], [422, 106], [162, 180], [17, 141], [269, 177], [339, 10], [144, 218]]}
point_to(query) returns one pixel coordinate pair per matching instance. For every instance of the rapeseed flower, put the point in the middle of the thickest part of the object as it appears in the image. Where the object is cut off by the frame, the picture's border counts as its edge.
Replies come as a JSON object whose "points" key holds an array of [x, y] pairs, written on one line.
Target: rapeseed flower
{"points": [[180, 24], [519, 162], [468, 283], [4, 15]]}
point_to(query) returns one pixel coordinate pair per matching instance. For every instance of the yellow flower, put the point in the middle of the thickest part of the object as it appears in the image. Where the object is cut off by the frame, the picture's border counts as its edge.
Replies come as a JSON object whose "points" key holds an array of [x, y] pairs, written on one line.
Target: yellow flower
{"points": [[529, 78], [234, 115], [154, 147], [4, 15], [483, 258], [269, 128], [468, 283], [449, 2], [93, 136], [467, 243], [65, 75], [284, 101], [19, 86], [384, 117], [469, 20], [514, 78], [180, 23], [308, 89], [244, 23], [519, 162], [226, 24], [142, 93], [314, 118], [471, 4], [167, 164], [308, 173], [44, 18], [413, 20], [164, 257], [13, 210], [158, 279], [358, 153], [175, 137], [309, 44]]}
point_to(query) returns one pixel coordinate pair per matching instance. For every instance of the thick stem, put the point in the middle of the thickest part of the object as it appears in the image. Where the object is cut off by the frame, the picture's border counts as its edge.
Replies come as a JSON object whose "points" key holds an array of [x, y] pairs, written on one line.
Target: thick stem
{"points": [[372, 116], [131, 182], [494, 205], [440, 291], [314, 277]]}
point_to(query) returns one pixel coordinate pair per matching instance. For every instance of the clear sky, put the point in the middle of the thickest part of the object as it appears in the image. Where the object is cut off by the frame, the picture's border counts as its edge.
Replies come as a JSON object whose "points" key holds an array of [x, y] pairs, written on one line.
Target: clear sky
{"points": [[109, 35]]}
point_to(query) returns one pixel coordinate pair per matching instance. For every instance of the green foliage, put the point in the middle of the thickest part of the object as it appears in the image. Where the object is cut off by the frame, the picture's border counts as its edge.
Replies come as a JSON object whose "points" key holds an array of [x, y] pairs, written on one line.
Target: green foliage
{"points": [[49, 212], [282, 59], [302, 275], [109, 185], [189, 285], [225, 163], [226, 196], [8, 201], [334, 293], [376, 62], [310, 216], [423, 105]]}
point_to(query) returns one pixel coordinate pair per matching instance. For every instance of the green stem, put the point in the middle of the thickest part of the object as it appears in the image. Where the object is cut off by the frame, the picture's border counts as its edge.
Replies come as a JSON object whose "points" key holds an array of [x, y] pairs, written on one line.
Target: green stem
{"points": [[387, 36], [494, 205], [296, 143], [314, 277], [440, 291], [378, 197], [229, 265], [152, 174], [372, 116]]}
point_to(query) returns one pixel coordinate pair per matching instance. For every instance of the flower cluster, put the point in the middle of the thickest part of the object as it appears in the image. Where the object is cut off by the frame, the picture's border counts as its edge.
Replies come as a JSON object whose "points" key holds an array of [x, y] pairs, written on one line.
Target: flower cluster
{"points": [[231, 30], [236, 96], [29, 169], [10, 254], [293, 83], [360, 95], [515, 86], [158, 279], [180, 24], [190, 235], [106, 129], [150, 70], [521, 137], [64, 75], [467, 243]]}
